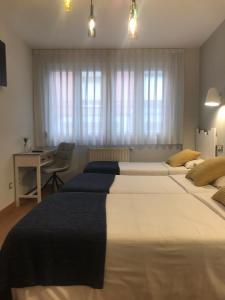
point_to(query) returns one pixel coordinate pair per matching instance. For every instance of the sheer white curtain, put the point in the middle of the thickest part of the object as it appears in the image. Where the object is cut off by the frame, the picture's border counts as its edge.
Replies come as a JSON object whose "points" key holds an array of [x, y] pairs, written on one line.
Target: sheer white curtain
{"points": [[108, 97]]}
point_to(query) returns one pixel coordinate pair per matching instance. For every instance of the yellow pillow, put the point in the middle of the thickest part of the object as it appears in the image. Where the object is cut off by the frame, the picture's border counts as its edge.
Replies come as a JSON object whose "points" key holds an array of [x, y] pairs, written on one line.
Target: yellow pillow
{"points": [[180, 158], [208, 171], [220, 196]]}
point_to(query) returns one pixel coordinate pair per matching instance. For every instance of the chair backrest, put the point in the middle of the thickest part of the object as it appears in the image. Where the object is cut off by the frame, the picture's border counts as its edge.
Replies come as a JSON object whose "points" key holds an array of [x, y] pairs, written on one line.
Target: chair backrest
{"points": [[64, 154]]}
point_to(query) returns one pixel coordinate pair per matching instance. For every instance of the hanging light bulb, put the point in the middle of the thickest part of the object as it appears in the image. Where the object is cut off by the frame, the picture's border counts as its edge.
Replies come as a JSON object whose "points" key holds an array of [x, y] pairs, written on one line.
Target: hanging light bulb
{"points": [[68, 5], [91, 22], [133, 20]]}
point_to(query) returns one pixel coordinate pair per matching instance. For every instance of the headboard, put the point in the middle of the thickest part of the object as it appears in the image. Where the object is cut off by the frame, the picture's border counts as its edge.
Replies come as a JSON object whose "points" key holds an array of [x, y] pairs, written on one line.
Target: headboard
{"points": [[206, 142]]}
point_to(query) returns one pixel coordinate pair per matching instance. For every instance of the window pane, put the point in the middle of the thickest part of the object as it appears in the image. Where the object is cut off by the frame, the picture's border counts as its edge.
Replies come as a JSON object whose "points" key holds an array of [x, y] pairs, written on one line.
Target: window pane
{"points": [[91, 103], [153, 100]]}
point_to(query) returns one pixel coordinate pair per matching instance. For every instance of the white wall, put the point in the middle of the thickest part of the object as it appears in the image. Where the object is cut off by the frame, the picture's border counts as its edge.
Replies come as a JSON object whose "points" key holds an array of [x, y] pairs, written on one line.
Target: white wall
{"points": [[16, 109], [191, 96], [213, 75]]}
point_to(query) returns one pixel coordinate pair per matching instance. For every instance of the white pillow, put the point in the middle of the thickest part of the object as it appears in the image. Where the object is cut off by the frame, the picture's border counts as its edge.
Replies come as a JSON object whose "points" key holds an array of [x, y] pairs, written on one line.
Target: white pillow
{"points": [[192, 163], [220, 182]]}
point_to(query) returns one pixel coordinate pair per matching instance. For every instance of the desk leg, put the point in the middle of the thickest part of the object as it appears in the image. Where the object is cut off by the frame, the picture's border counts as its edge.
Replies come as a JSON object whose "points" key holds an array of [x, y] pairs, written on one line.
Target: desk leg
{"points": [[17, 186], [39, 184]]}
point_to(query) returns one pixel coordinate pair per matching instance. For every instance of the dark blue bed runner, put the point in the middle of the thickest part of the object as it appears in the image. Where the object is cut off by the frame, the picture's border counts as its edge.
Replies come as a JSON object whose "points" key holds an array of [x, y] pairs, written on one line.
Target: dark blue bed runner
{"points": [[105, 167], [88, 182], [61, 242]]}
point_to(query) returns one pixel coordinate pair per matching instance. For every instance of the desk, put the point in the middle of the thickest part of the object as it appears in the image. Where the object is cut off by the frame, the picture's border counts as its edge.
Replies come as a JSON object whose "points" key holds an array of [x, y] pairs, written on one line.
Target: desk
{"points": [[27, 160]]}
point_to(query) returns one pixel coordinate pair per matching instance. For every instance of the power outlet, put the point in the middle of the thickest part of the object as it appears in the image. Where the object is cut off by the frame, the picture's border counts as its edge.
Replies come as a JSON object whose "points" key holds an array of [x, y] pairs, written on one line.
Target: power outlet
{"points": [[10, 186], [219, 148]]}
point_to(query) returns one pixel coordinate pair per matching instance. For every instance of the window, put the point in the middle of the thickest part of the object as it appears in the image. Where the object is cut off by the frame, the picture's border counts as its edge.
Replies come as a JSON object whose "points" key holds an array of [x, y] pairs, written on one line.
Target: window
{"points": [[91, 102], [109, 97], [123, 112], [153, 101]]}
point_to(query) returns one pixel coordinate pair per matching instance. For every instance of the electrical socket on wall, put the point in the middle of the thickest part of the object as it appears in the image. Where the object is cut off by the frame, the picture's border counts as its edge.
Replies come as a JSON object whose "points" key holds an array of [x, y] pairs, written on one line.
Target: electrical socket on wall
{"points": [[219, 148]]}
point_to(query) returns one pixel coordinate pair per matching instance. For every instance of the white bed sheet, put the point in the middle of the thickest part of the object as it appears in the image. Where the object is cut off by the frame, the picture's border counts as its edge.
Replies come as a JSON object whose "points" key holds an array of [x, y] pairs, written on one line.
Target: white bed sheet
{"points": [[149, 168], [143, 168], [206, 198], [190, 187], [124, 184], [160, 247], [175, 170]]}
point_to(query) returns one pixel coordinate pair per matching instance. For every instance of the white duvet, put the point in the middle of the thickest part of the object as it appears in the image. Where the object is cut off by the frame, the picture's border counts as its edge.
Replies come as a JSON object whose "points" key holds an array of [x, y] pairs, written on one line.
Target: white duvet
{"points": [[190, 187], [149, 168], [124, 184], [206, 198], [160, 247]]}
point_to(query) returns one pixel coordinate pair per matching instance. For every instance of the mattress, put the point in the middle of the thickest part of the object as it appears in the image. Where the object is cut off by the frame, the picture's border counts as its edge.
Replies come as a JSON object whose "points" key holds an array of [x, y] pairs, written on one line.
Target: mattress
{"points": [[160, 247], [122, 184], [190, 187]]}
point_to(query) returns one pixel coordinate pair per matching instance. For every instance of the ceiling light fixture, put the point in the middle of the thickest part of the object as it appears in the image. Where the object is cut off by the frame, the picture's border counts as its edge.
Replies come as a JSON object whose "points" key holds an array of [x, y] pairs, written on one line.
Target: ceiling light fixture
{"points": [[133, 20], [68, 5], [91, 22]]}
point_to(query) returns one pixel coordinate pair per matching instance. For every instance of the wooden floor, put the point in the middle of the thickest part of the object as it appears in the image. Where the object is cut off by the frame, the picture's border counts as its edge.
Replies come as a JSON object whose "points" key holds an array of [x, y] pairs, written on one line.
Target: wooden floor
{"points": [[12, 214]]}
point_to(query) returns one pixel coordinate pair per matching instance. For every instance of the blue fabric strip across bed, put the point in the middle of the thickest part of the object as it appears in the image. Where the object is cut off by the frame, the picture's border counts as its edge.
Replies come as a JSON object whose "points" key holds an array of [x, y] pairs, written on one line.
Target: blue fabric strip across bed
{"points": [[60, 242], [89, 183], [104, 167]]}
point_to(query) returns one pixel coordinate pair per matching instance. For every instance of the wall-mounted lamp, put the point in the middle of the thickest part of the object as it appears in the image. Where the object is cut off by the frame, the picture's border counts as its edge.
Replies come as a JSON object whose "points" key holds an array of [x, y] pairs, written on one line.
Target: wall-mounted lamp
{"points": [[213, 98]]}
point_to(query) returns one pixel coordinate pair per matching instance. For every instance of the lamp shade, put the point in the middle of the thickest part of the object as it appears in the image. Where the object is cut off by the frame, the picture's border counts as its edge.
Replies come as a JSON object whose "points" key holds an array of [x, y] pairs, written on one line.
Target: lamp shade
{"points": [[213, 98]]}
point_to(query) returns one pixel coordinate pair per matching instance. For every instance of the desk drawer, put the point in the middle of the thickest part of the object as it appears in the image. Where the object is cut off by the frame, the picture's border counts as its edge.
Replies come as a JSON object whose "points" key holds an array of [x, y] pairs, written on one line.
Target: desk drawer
{"points": [[27, 160]]}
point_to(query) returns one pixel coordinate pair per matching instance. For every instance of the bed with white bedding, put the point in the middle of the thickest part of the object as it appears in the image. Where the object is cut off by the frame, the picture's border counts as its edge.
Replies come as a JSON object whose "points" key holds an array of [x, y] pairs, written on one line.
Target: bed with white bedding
{"points": [[150, 168], [122, 184], [134, 168], [203, 193], [206, 198], [190, 187], [145, 185], [161, 247]]}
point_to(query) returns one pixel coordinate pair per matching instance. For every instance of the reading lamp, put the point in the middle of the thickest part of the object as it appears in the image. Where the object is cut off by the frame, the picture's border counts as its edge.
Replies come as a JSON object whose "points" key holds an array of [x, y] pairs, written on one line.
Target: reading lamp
{"points": [[213, 98]]}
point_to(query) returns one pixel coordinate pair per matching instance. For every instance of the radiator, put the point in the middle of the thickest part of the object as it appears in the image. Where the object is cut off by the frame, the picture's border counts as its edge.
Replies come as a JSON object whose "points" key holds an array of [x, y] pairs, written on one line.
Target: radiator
{"points": [[109, 154]]}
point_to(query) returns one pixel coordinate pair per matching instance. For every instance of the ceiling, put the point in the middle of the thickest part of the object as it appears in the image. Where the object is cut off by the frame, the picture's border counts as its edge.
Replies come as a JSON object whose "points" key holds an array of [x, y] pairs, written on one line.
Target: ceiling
{"points": [[162, 23]]}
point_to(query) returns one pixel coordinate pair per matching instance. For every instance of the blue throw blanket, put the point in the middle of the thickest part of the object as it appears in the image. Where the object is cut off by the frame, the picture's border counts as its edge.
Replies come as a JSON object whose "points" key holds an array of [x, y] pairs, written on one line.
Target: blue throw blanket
{"points": [[88, 182], [61, 242], [105, 167]]}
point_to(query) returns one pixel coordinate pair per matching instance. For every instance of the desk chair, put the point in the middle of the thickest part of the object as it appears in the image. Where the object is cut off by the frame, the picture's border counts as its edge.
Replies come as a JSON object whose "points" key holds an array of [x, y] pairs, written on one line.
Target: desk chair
{"points": [[61, 163]]}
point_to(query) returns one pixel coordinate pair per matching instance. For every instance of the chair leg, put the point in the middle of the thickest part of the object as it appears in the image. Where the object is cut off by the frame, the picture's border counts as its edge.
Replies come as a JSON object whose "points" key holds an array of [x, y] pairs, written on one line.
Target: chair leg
{"points": [[47, 182], [58, 178], [55, 181]]}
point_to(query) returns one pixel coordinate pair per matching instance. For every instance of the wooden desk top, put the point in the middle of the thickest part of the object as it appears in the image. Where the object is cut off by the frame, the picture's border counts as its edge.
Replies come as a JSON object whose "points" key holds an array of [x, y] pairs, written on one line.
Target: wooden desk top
{"points": [[43, 152]]}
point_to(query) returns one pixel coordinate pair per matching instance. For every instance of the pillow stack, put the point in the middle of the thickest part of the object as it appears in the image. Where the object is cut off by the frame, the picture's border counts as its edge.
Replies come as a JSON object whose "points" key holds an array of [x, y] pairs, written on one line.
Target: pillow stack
{"points": [[208, 171], [182, 157]]}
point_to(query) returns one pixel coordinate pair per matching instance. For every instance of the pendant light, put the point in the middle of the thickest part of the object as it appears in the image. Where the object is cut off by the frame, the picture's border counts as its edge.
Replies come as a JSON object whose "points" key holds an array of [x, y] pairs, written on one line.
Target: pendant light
{"points": [[91, 22], [68, 5], [133, 20]]}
